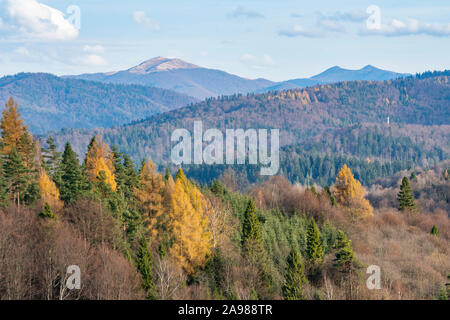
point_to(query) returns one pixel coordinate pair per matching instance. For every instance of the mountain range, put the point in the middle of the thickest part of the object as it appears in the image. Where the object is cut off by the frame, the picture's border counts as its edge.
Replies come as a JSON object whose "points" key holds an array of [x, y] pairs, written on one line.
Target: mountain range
{"points": [[190, 79], [180, 76]]}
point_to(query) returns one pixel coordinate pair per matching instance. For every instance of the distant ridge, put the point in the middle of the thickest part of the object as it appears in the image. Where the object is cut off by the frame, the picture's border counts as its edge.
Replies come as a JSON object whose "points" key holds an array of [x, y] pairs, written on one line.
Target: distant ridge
{"points": [[180, 76], [199, 82], [337, 74]]}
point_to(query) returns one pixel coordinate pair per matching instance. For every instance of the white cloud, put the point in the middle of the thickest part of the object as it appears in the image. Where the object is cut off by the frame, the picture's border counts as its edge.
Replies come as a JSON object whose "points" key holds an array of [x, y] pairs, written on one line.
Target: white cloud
{"points": [[397, 28], [93, 49], [241, 12], [338, 22], [300, 31], [345, 16], [140, 17], [93, 60], [257, 62], [35, 20]]}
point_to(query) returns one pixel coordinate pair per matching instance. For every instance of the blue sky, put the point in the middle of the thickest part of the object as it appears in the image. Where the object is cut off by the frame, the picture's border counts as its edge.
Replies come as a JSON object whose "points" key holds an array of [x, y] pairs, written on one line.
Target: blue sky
{"points": [[277, 40]]}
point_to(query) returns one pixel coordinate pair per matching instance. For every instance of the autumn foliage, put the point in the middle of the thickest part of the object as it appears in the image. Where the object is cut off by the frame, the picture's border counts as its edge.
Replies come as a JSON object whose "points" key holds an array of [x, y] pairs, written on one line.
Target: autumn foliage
{"points": [[349, 193], [99, 159]]}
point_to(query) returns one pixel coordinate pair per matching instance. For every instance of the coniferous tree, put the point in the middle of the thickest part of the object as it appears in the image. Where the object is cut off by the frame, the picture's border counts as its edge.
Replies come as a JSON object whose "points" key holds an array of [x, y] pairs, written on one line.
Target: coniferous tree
{"points": [[406, 197], [11, 126], [47, 212], [15, 175], [73, 182], [144, 262], [314, 248], [434, 231], [51, 160], [349, 193], [188, 225], [149, 196], [253, 245], [252, 242], [295, 278], [167, 174], [345, 257], [99, 158], [3, 184]]}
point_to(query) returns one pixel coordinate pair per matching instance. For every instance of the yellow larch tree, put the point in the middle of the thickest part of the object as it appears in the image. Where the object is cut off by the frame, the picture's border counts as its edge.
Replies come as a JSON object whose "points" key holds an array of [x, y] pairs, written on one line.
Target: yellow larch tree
{"points": [[12, 128], [189, 225], [149, 196], [349, 193], [99, 158], [49, 191]]}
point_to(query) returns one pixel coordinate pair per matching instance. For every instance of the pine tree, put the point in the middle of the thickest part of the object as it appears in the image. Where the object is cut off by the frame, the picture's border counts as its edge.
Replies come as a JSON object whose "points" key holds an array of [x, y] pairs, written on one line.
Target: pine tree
{"points": [[132, 178], [47, 212], [345, 257], [51, 159], [144, 262], [3, 184], [295, 279], [443, 294], [405, 197], [16, 175], [252, 243], [434, 231], [314, 249], [73, 182], [167, 174], [251, 230]]}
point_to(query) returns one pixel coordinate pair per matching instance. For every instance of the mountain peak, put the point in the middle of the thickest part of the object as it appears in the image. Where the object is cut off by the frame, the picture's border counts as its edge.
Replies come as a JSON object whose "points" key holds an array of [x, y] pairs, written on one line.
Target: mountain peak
{"points": [[369, 67], [159, 64]]}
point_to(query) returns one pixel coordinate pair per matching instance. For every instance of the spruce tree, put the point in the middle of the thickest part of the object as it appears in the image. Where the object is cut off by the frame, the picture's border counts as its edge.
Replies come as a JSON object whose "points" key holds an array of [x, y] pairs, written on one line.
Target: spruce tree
{"points": [[167, 175], [434, 231], [314, 249], [253, 245], [144, 262], [16, 175], [295, 278], [251, 231], [51, 158], [73, 181], [47, 212], [405, 197], [345, 256]]}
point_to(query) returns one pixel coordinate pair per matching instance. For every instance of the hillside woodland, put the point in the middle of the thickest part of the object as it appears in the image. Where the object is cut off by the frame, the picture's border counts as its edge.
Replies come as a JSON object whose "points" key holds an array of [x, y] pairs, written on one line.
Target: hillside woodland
{"points": [[137, 233]]}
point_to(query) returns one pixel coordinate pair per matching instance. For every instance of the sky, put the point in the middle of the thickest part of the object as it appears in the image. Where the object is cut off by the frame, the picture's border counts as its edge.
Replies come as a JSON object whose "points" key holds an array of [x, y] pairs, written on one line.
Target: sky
{"points": [[273, 39]]}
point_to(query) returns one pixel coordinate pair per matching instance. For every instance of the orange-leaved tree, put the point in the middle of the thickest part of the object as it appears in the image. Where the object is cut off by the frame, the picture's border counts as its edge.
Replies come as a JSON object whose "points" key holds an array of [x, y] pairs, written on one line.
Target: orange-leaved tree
{"points": [[349, 193], [49, 191], [99, 158], [12, 128], [188, 225], [149, 196]]}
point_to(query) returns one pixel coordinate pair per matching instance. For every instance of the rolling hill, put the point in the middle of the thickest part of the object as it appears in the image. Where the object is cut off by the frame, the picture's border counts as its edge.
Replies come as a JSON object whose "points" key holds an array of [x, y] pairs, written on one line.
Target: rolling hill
{"points": [[49, 103], [414, 105]]}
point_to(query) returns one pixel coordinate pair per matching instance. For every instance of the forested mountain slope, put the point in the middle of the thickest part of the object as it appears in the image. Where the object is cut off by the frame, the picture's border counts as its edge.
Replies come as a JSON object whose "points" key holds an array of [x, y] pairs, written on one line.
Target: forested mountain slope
{"points": [[49, 103], [413, 105]]}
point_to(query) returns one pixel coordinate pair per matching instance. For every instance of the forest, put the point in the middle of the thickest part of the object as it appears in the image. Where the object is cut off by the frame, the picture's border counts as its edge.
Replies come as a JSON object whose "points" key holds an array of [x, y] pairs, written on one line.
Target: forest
{"points": [[137, 232]]}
